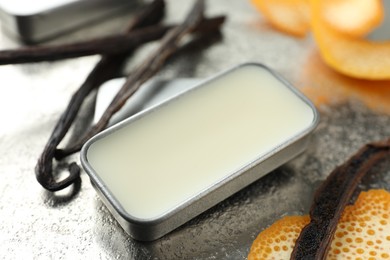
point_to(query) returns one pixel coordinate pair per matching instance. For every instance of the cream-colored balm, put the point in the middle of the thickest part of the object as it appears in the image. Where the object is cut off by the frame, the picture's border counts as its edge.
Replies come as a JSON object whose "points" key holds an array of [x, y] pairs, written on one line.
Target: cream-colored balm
{"points": [[172, 153]]}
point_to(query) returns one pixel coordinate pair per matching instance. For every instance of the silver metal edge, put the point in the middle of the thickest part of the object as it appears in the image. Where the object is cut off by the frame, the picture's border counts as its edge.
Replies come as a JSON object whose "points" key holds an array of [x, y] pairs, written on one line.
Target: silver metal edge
{"points": [[151, 229], [33, 28]]}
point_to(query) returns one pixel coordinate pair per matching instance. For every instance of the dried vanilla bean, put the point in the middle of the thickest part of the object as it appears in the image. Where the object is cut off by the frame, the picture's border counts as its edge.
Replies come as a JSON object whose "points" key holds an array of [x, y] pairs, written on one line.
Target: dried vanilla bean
{"points": [[112, 44], [331, 198], [107, 68], [168, 46], [108, 45]]}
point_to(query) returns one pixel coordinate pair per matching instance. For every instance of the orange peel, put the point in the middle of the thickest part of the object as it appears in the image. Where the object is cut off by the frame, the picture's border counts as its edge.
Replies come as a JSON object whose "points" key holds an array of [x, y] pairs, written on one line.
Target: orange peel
{"points": [[362, 232], [337, 26], [277, 241], [289, 16], [326, 87], [348, 55], [352, 17]]}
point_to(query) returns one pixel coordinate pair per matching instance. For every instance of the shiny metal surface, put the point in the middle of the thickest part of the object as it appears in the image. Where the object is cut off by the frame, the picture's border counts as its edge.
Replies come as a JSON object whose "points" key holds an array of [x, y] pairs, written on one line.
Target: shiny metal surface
{"points": [[35, 224]]}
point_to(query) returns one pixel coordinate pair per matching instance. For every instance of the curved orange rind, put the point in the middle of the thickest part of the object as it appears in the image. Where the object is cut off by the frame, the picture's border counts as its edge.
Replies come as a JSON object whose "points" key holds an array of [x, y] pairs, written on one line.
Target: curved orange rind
{"points": [[352, 17], [325, 87], [289, 16], [362, 232], [351, 56], [337, 26], [277, 241]]}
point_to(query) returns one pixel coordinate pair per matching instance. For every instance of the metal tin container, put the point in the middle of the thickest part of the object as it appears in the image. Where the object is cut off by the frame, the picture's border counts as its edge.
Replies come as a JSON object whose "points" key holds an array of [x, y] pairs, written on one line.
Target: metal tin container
{"points": [[250, 166], [36, 21]]}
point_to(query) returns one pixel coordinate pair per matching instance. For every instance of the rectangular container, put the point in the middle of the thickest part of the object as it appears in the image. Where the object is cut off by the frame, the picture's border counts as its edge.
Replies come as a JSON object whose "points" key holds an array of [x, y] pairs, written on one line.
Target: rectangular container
{"points": [[166, 165], [36, 21]]}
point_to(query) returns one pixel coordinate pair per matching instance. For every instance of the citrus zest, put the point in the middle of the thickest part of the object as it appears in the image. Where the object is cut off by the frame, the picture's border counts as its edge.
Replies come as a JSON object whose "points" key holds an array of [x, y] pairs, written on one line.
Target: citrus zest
{"points": [[349, 55], [289, 16], [338, 27], [361, 232], [352, 17]]}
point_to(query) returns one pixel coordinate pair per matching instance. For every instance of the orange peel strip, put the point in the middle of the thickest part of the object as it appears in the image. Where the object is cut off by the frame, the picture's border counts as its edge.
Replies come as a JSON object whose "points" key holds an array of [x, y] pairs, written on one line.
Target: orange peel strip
{"points": [[349, 55], [362, 232], [353, 17], [289, 16], [326, 87], [277, 241]]}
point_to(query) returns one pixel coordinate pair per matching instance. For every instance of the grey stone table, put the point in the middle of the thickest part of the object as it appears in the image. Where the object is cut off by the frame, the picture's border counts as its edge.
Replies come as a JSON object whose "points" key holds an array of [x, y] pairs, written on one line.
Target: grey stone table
{"points": [[36, 224]]}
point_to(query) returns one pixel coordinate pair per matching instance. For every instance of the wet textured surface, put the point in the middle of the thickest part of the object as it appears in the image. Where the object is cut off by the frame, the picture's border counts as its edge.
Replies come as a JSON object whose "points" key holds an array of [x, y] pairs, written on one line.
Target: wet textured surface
{"points": [[75, 223]]}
